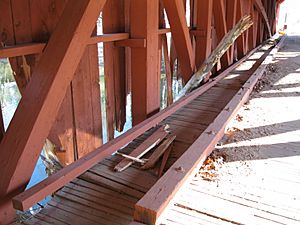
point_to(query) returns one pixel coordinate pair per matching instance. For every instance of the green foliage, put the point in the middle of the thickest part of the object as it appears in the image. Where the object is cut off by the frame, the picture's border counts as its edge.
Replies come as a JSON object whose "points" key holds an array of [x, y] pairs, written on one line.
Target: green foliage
{"points": [[6, 74]]}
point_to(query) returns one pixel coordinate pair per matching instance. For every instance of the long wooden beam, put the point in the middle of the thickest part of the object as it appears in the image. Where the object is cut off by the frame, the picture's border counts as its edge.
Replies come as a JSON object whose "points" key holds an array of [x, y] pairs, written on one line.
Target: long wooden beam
{"points": [[240, 42], [114, 68], [145, 73], [262, 11], [221, 27], [181, 37], [21, 49], [38, 192], [148, 211], [32, 121], [231, 13], [37, 48], [203, 23]]}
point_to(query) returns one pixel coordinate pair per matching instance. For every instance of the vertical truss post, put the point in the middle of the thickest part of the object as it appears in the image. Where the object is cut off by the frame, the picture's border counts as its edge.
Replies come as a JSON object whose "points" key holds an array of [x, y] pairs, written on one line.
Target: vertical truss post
{"points": [[203, 40], [180, 34], [145, 76]]}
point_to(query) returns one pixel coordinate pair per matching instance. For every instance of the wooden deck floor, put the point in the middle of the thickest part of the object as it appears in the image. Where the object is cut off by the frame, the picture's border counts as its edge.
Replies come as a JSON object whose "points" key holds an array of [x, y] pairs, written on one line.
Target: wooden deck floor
{"points": [[102, 196], [259, 182]]}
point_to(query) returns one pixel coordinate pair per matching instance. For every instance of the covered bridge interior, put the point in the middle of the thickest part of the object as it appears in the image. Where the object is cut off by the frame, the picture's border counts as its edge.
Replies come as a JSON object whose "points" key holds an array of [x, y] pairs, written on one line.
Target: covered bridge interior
{"points": [[101, 82]]}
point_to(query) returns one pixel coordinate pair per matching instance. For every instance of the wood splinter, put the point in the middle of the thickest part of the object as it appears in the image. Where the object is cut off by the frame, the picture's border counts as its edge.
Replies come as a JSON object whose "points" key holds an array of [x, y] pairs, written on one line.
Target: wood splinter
{"points": [[153, 140], [142, 161]]}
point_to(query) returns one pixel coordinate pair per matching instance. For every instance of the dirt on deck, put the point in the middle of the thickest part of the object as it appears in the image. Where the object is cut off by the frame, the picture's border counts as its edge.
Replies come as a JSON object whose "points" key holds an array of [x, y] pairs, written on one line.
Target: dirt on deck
{"points": [[261, 147]]}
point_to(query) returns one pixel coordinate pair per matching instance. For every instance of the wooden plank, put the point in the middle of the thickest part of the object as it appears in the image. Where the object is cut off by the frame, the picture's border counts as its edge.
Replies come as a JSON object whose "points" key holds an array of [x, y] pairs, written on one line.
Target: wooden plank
{"points": [[6, 24], [21, 49], [62, 131], [164, 190], [68, 217], [107, 191], [95, 214], [37, 48], [231, 11], [164, 161], [143, 148], [204, 19], [255, 27], [43, 220], [180, 34], [107, 183], [169, 77], [100, 198], [164, 31], [145, 75], [241, 45], [221, 27], [44, 94], [262, 11], [251, 29], [86, 103], [132, 43], [108, 37], [245, 8], [68, 173], [136, 223], [158, 152], [114, 68], [22, 34], [43, 23], [130, 179]]}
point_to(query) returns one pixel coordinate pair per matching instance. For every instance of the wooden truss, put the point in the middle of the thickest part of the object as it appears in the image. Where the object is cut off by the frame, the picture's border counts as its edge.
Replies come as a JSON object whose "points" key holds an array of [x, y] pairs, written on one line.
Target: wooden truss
{"points": [[57, 43]]}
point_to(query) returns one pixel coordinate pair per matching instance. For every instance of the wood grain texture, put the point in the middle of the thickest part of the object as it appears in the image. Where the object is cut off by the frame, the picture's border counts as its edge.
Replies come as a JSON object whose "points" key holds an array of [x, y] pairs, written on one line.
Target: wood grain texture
{"points": [[114, 68], [203, 24], [143, 148], [158, 152], [181, 37], [221, 27], [145, 75], [44, 94], [86, 103]]}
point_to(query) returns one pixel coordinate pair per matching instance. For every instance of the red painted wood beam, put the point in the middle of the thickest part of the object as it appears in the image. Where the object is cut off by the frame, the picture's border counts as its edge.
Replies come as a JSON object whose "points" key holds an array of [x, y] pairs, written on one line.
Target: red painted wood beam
{"points": [[262, 11], [180, 34], [221, 27], [86, 101], [114, 68], [37, 48], [164, 30], [108, 37], [204, 11], [251, 29], [241, 45], [21, 49], [145, 75], [231, 11], [132, 43], [32, 121]]}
